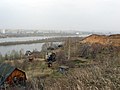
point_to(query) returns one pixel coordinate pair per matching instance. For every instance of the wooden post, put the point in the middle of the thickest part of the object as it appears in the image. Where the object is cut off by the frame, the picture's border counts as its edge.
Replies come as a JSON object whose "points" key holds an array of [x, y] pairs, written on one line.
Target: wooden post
{"points": [[76, 48], [69, 48]]}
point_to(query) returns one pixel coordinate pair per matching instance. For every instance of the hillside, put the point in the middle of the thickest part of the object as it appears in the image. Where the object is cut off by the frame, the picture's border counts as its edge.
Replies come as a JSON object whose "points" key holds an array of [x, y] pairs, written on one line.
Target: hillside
{"points": [[93, 64], [99, 71]]}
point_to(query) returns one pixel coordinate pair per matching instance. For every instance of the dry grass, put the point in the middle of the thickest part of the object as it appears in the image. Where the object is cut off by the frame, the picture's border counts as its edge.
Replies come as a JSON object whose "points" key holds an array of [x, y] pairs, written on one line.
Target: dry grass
{"points": [[99, 73], [91, 75], [101, 76]]}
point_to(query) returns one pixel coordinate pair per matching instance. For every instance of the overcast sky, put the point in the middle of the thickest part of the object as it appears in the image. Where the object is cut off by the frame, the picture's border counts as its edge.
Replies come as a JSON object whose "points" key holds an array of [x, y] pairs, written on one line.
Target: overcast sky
{"points": [[84, 15]]}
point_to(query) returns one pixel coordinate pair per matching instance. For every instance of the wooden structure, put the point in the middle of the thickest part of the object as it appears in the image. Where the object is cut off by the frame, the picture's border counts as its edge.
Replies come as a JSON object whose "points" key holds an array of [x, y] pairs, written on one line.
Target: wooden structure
{"points": [[11, 75]]}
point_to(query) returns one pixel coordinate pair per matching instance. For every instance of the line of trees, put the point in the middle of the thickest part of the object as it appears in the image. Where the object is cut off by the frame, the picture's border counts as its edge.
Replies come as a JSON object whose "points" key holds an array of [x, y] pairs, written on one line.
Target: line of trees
{"points": [[13, 55]]}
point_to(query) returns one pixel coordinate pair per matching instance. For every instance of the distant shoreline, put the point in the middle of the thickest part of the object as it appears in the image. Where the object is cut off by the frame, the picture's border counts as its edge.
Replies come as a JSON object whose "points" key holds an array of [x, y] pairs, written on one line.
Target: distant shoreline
{"points": [[32, 35], [56, 39]]}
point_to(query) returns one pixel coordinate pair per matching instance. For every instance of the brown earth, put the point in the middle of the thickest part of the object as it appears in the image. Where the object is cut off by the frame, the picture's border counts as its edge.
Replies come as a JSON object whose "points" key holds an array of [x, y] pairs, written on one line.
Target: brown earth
{"points": [[113, 40]]}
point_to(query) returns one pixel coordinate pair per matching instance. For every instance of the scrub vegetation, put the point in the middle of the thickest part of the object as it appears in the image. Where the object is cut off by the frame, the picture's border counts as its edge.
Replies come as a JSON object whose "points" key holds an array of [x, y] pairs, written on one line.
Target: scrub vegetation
{"points": [[92, 66]]}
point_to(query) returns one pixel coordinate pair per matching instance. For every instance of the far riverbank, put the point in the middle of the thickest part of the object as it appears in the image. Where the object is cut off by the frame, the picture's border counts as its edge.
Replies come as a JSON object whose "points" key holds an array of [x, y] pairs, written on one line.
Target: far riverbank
{"points": [[53, 39]]}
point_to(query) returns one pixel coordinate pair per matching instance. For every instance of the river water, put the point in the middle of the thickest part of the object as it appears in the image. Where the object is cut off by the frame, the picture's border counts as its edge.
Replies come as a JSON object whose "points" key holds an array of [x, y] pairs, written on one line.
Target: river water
{"points": [[24, 47], [17, 39]]}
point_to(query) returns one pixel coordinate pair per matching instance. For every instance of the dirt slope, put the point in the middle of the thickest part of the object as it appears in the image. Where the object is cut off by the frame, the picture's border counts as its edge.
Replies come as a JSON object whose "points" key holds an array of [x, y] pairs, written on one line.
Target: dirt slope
{"points": [[113, 40]]}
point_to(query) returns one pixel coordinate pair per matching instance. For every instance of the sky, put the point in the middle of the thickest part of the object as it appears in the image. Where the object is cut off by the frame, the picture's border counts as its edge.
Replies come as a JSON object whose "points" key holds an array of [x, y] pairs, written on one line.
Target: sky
{"points": [[83, 15]]}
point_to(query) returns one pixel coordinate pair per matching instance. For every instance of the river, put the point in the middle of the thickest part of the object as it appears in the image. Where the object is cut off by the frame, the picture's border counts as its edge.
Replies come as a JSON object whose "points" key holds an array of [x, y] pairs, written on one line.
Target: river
{"points": [[24, 47], [17, 39], [37, 46]]}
